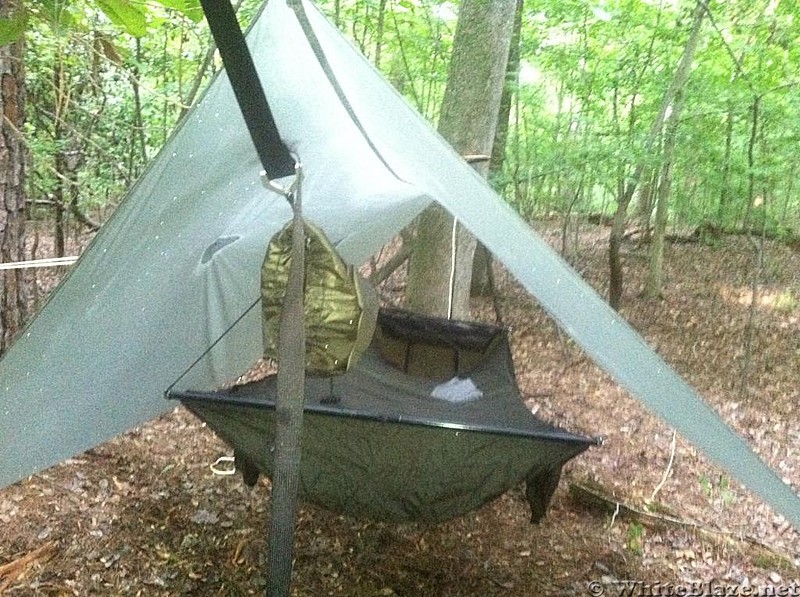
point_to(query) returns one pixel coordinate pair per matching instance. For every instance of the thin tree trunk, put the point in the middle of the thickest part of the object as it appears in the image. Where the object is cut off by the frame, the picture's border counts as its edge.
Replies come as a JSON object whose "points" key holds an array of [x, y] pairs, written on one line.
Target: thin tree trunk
{"points": [[165, 101], [576, 196], [788, 199], [724, 193], [12, 184], [507, 97], [440, 268], [138, 118], [758, 249], [379, 33], [616, 275], [482, 261], [647, 195], [60, 109], [654, 280], [59, 225], [751, 161]]}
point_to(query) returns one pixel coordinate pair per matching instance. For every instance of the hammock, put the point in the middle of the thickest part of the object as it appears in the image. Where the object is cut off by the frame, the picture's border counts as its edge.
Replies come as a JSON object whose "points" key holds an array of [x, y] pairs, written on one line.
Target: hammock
{"points": [[427, 424], [378, 445]]}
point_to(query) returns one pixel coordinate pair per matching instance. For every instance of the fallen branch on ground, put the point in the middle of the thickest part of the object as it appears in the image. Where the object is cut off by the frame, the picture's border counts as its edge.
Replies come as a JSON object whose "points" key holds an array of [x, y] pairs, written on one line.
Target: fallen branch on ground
{"points": [[16, 568], [594, 498]]}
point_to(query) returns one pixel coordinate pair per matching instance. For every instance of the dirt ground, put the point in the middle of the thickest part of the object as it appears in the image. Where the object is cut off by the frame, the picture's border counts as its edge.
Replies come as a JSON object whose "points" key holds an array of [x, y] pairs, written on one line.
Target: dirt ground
{"points": [[144, 515]]}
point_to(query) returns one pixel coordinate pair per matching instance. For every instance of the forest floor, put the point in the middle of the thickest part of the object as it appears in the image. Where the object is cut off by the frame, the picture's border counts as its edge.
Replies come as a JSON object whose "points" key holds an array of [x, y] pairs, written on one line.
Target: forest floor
{"points": [[143, 515]]}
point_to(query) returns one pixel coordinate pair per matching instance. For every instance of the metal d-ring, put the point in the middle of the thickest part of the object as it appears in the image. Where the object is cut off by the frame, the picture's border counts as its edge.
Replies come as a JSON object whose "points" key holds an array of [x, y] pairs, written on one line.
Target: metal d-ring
{"points": [[290, 191]]}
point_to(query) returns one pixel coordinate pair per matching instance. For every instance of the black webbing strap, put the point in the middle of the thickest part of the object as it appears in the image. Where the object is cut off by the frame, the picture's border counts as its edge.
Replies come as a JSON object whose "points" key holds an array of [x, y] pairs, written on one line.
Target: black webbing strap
{"points": [[277, 162], [274, 155]]}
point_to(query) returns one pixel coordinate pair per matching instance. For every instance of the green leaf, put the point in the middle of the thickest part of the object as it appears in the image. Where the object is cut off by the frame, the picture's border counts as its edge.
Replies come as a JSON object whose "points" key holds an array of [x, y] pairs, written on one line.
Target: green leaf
{"points": [[124, 14], [12, 29], [190, 8]]}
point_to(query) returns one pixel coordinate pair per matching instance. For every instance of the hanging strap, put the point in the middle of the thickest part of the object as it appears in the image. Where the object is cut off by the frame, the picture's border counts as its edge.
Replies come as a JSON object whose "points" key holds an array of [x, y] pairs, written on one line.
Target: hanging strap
{"points": [[274, 155], [277, 162]]}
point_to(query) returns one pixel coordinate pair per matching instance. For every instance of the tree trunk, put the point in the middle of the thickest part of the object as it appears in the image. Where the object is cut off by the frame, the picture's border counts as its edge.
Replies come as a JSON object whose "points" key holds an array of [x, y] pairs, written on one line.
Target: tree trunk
{"points": [[647, 200], [440, 268], [379, 33], [758, 267], [507, 95], [654, 281], [616, 275], [138, 146], [725, 193], [60, 110], [482, 261], [751, 161], [12, 188]]}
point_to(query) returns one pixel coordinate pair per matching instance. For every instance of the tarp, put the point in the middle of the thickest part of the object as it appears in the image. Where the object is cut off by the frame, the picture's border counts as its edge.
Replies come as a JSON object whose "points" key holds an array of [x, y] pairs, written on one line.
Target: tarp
{"points": [[178, 262]]}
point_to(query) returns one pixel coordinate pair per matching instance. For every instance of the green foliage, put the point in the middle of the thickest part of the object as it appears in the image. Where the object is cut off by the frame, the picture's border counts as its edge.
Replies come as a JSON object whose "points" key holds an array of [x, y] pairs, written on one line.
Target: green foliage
{"points": [[132, 16], [591, 81], [189, 8], [635, 540], [12, 28], [101, 101], [409, 40], [785, 301], [719, 491], [128, 16], [773, 561]]}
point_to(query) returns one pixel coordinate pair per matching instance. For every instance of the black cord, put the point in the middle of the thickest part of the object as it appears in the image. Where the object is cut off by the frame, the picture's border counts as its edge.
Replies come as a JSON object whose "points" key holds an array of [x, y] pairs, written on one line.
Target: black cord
{"points": [[319, 53], [168, 391]]}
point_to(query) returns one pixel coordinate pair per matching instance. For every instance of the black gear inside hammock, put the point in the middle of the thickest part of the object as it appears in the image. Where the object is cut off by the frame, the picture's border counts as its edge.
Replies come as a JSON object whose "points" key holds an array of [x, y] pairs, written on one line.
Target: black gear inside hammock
{"points": [[378, 444]]}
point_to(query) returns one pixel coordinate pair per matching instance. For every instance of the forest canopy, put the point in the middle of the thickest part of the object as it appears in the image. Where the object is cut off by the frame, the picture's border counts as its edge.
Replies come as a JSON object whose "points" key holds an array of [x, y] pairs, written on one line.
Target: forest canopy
{"points": [[108, 80]]}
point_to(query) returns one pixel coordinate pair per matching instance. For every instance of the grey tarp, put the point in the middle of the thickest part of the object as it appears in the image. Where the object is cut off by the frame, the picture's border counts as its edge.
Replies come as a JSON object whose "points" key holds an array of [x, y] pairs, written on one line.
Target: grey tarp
{"points": [[376, 444], [179, 261]]}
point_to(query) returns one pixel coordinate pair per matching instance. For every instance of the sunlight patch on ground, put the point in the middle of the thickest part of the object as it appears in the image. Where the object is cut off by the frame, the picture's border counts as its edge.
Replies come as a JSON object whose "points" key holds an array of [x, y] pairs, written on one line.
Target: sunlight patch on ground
{"points": [[782, 300]]}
